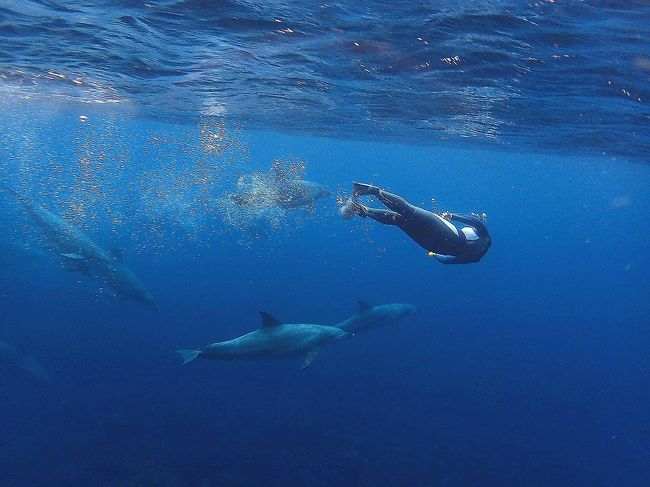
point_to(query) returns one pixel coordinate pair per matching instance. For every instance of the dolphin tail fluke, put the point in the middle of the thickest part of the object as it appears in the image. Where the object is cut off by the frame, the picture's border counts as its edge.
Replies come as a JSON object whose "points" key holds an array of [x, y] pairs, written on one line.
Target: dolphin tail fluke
{"points": [[188, 355]]}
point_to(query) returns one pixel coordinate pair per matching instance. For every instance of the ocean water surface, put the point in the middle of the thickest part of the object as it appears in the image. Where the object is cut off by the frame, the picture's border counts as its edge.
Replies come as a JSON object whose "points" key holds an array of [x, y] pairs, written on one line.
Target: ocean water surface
{"points": [[156, 133]]}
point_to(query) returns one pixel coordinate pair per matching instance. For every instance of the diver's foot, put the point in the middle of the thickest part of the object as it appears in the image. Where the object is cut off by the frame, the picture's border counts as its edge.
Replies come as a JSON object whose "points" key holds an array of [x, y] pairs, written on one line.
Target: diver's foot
{"points": [[361, 210], [362, 189], [351, 208]]}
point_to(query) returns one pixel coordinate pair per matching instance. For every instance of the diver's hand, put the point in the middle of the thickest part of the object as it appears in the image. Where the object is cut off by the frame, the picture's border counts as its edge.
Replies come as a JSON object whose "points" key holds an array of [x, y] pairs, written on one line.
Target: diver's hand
{"points": [[446, 215]]}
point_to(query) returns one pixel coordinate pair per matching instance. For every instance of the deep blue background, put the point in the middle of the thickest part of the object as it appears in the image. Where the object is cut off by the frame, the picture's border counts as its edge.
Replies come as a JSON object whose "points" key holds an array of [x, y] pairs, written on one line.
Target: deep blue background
{"points": [[529, 368]]}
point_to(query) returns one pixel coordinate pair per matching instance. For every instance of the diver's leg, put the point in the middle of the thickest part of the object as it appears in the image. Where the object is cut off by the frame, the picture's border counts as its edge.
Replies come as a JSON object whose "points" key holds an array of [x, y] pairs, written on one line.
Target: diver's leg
{"points": [[382, 216], [395, 203], [392, 201]]}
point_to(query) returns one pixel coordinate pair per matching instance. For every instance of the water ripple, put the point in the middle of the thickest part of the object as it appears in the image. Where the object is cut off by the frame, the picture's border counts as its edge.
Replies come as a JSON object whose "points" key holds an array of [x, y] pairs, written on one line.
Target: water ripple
{"points": [[552, 74]]}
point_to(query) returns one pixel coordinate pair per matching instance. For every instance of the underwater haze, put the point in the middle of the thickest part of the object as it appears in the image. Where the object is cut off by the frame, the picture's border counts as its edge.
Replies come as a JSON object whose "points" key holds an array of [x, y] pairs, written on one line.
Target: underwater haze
{"points": [[170, 169]]}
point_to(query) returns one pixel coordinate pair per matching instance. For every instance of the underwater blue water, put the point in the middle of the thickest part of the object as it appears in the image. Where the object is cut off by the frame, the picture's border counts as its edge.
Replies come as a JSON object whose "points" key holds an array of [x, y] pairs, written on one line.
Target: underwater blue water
{"points": [[135, 121]]}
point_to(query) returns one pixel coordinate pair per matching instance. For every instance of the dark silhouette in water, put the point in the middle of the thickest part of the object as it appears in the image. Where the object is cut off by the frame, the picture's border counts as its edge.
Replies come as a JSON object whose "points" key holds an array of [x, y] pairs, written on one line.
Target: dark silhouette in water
{"points": [[80, 254], [16, 362], [370, 317], [435, 233], [284, 188]]}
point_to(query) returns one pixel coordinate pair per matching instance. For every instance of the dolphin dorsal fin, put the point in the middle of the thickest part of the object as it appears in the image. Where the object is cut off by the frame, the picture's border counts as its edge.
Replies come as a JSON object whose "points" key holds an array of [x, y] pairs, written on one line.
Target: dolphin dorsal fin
{"points": [[363, 306], [268, 320]]}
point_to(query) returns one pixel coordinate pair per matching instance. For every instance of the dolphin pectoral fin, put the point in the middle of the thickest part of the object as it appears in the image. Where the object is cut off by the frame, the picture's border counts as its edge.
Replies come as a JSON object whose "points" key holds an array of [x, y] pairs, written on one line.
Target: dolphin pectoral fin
{"points": [[188, 355], [268, 320], [363, 306], [73, 256], [311, 356]]}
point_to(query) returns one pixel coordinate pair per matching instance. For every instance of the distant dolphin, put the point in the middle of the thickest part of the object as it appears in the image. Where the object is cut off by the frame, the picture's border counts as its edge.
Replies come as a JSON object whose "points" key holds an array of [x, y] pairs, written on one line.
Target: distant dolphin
{"points": [[273, 340], [80, 254], [298, 193], [370, 317], [15, 361], [282, 191]]}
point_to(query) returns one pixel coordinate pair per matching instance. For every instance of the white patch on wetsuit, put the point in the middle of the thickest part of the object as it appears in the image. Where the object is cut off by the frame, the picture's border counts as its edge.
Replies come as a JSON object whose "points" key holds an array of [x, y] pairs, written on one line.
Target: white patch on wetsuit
{"points": [[451, 226], [469, 232]]}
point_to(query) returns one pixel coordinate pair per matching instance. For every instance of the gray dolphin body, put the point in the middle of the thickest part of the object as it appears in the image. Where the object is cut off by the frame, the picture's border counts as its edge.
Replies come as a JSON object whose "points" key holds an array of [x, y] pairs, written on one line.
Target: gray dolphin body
{"points": [[298, 193], [371, 317], [288, 194], [273, 340], [16, 362], [79, 253]]}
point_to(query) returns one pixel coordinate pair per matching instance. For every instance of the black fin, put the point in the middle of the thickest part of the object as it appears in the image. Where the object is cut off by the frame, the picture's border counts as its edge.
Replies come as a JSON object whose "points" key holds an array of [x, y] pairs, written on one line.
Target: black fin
{"points": [[268, 320], [363, 306]]}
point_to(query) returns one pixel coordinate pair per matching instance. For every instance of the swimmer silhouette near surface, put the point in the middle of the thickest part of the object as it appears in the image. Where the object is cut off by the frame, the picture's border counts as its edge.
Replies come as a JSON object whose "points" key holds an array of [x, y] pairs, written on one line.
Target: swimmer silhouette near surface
{"points": [[436, 233]]}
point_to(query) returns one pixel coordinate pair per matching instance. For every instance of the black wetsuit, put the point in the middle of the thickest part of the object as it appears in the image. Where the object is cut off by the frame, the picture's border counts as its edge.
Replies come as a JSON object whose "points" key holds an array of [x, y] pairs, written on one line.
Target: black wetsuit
{"points": [[430, 230]]}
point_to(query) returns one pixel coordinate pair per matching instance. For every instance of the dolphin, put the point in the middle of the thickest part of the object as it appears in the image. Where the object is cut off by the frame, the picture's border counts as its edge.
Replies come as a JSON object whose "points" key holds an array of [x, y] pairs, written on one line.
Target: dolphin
{"points": [[80, 254], [17, 361], [273, 340], [285, 192], [299, 193], [370, 317]]}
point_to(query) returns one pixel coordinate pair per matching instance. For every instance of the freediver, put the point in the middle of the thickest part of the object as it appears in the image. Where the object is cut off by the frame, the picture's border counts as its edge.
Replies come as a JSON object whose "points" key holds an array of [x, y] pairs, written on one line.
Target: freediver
{"points": [[435, 233]]}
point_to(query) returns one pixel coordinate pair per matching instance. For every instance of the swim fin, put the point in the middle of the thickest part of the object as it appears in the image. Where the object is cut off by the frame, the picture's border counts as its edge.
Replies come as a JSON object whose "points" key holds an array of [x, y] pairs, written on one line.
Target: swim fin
{"points": [[362, 189]]}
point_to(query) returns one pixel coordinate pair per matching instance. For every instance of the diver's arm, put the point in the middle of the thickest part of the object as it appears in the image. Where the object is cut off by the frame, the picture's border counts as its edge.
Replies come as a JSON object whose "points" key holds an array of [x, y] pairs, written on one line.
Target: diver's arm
{"points": [[473, 221]]}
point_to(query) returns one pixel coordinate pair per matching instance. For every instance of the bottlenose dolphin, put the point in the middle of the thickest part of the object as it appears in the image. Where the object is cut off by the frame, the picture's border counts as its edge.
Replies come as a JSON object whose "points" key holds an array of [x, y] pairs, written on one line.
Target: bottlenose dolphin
{"points": [[80, 254], [370, 317], [299, 193], [16, 361], [282, 191], [273, 340]]}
